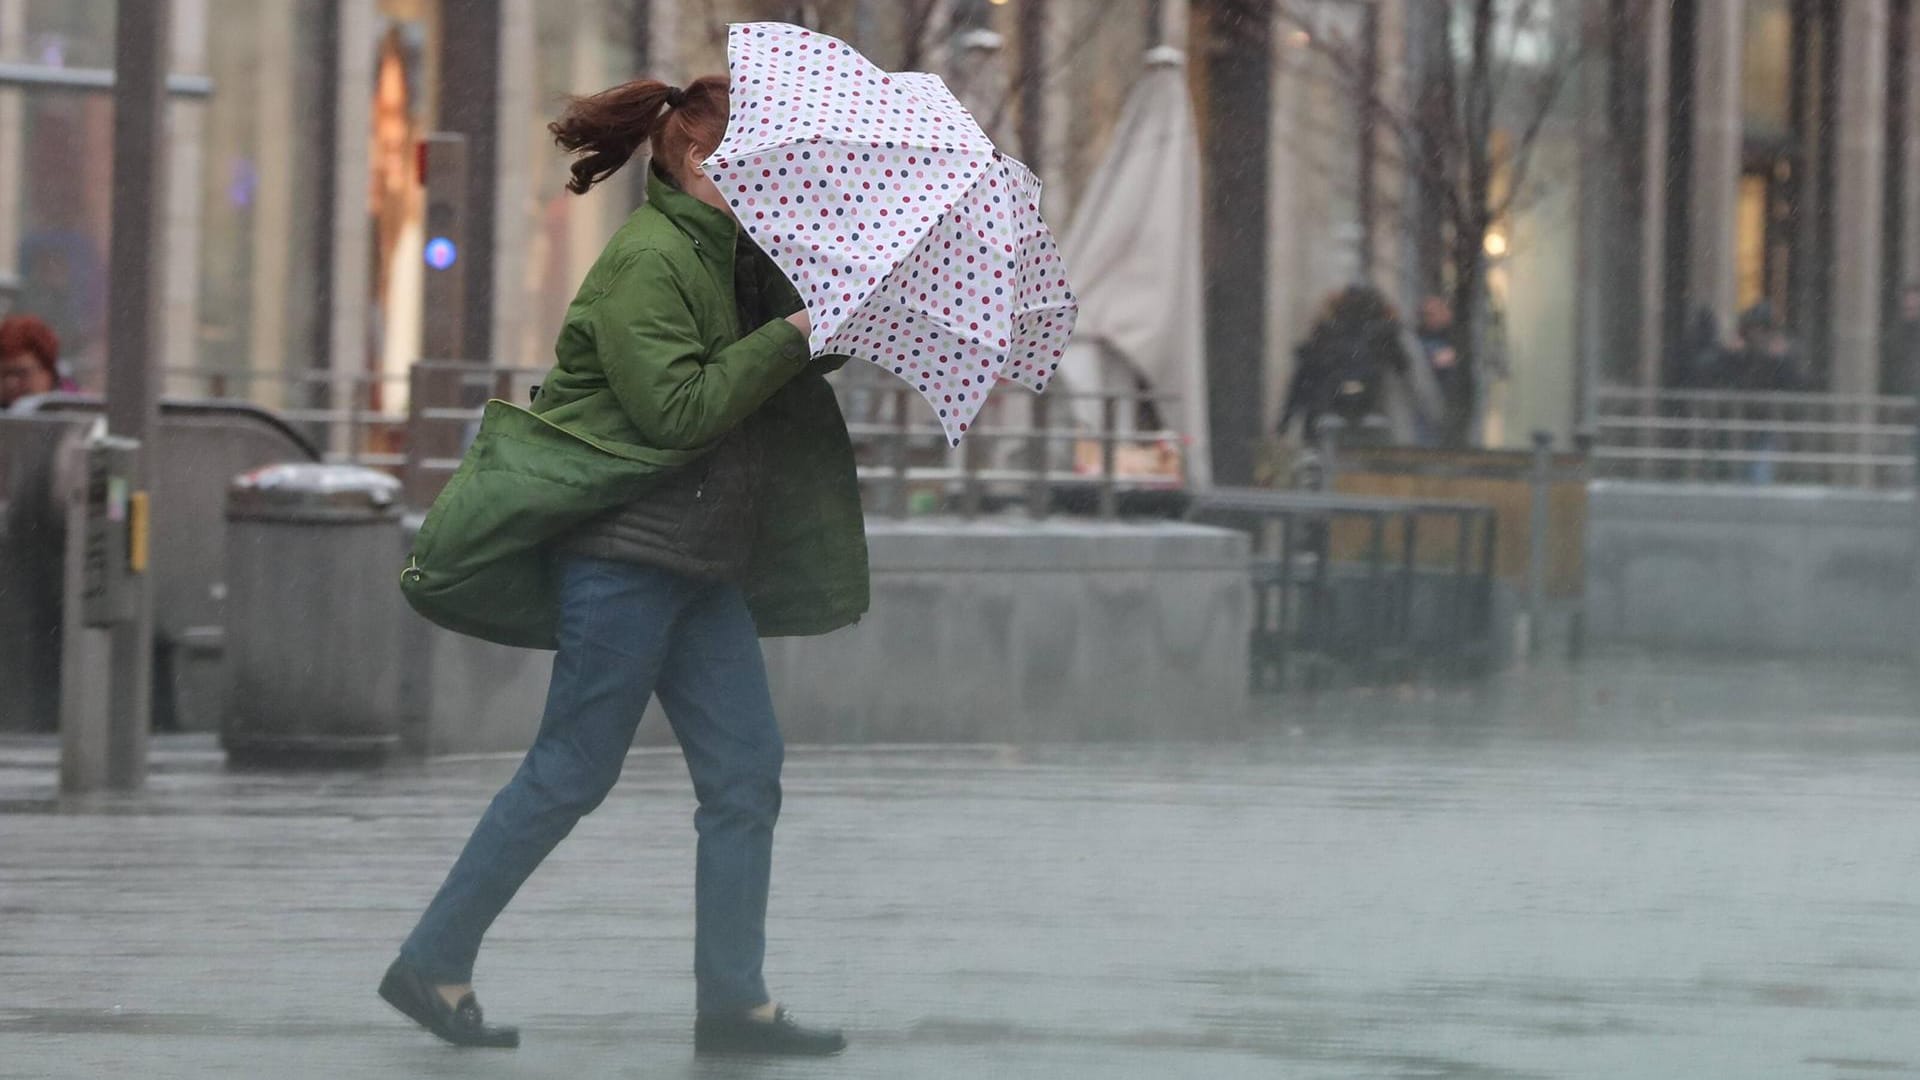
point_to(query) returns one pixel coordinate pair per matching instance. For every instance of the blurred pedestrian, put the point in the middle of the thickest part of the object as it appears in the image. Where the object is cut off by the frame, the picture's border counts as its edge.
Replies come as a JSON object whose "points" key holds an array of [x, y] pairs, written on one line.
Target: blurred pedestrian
{"points": [[1440, 346], [1762, 359], [1357, 364], [29, 360], [1701, 361], [686, 352]]}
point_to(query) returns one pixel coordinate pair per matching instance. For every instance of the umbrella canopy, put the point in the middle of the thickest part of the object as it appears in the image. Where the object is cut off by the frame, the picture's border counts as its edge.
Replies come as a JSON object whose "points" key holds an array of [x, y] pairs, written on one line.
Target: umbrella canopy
{"points": [[916, 245], [1135, 250]]}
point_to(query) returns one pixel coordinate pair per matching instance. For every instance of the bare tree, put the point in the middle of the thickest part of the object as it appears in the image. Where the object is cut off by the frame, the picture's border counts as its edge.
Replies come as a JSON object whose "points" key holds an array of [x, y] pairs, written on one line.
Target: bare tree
{"points": [[1491, 75]]}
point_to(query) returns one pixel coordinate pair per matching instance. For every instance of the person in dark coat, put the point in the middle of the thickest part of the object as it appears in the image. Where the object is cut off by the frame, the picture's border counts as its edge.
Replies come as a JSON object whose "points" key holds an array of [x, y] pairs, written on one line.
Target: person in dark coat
{"points": [[1440, 347], [1357, 364], [1763, 357]]}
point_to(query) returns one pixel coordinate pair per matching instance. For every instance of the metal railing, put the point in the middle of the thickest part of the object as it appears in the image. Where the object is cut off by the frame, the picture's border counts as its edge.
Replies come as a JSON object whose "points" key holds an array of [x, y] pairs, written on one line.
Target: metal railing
{"points": [[1412, 597], [1017, 455], [1025, 453], [1707, 436], [349, 416]]}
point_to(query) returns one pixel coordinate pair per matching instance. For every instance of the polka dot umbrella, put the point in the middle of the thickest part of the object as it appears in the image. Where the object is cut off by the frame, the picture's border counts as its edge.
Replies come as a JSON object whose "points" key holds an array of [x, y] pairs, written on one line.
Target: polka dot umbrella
{"points": [[916, 245]]}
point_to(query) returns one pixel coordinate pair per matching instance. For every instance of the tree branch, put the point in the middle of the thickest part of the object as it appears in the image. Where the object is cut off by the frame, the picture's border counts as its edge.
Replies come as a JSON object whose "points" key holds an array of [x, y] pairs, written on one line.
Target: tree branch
{"points": [[1560, 70], [1083, 37], [1407, 130]]}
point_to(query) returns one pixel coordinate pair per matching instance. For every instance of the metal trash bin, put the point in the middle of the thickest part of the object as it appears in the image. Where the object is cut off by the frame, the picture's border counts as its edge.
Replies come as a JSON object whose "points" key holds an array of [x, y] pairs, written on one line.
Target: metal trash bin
{"points": [[315, 623]]}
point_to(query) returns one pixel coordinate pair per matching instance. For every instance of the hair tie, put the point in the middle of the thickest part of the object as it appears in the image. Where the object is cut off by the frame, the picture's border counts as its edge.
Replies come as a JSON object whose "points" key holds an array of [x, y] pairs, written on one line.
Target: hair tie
{"points": [[676, 97]]}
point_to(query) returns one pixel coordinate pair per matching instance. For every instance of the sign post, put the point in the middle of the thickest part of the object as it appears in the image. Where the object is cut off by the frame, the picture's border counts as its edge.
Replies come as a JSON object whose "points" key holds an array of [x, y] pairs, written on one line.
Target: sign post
{"points": [[122, 603]]}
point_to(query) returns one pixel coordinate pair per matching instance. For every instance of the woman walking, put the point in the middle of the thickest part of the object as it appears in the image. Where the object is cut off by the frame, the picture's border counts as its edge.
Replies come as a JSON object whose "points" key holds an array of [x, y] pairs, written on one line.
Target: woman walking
{"points": [[690, 478]]}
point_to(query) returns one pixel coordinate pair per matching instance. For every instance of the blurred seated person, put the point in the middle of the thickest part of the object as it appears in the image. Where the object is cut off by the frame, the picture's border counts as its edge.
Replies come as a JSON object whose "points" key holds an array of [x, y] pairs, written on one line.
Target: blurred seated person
{"points": [[29, 360], [1357, 364]]}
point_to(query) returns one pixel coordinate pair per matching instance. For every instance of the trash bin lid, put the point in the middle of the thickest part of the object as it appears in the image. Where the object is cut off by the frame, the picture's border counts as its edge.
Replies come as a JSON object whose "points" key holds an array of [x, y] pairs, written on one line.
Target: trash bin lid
{"points": [[308, 492]]}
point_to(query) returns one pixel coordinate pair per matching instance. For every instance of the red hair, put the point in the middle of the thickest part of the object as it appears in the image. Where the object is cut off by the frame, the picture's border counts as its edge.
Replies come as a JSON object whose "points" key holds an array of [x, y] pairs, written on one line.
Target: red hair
{"points": [[26, 334], [604, 130]]}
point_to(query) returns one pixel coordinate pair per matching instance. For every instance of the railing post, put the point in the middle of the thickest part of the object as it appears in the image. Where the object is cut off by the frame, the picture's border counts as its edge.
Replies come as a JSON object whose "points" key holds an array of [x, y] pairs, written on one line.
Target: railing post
{"points": [[1377, 615], [1329, 431], [1914, 633], [901, 433], [1040, 447], [356, 399], [1109, 457], [1864, 446], [1461, 589], [413, 476], [970, 475], [1913, 418], [1539, 485], [1409, 579], [1283, 637], [1489, 569]]}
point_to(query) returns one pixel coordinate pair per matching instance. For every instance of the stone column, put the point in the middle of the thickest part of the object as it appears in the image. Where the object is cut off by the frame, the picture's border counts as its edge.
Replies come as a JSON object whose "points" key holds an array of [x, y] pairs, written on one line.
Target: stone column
{"points": [[347, 226], [1289, 276], [1909, 268], [1173, 18], [472, 36], [186, 154], [514, 210], [1653, 226], [276, 155], [1056, 114], [665, 29], [1236, 65], [13, 47], [590, 221], [1858, 197], [1718, 136], [1390, 189]]}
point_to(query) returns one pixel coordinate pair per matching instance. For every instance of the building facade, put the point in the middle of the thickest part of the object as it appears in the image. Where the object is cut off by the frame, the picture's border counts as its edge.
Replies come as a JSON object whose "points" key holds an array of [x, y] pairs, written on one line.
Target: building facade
{"points": [[296, 209], [1707, 155], [1781, 170]]}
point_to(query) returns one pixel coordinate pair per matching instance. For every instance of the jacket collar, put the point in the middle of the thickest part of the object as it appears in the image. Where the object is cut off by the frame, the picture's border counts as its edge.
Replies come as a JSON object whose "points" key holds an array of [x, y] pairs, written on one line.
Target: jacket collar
{"points": [[713, 233]]}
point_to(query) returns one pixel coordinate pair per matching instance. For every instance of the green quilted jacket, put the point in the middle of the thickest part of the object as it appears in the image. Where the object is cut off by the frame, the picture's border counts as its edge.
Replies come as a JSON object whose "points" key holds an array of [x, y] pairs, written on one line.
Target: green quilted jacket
{"points": [[652, 369]]}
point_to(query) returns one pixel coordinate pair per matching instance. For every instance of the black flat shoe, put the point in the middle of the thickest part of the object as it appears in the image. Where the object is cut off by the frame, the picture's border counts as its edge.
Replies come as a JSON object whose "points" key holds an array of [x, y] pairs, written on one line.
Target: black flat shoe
{"points": [[410, 992], [740, 1033]]}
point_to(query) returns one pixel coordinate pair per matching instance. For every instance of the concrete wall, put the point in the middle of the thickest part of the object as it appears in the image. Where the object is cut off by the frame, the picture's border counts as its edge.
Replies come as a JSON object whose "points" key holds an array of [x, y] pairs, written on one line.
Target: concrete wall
{"points": [[1773, 571], [979, 632]]}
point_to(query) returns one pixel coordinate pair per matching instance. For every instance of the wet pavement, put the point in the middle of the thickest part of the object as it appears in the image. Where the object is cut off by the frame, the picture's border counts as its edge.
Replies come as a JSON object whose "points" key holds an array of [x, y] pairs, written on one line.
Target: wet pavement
{"points": [[1640, 869]]}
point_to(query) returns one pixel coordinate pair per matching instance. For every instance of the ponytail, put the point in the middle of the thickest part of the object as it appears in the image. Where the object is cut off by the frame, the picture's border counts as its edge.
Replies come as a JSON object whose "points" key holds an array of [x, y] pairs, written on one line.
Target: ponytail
{"points": [[603, 131]]}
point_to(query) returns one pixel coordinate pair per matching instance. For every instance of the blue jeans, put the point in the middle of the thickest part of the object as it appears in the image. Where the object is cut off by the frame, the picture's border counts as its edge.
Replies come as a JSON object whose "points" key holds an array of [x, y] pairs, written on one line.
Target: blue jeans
{"points": [[626, 633]]}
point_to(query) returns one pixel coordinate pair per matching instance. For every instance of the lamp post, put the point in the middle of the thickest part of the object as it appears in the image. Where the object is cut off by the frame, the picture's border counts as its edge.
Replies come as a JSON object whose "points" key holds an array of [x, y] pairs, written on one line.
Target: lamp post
{"points": [[142, 40]]}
